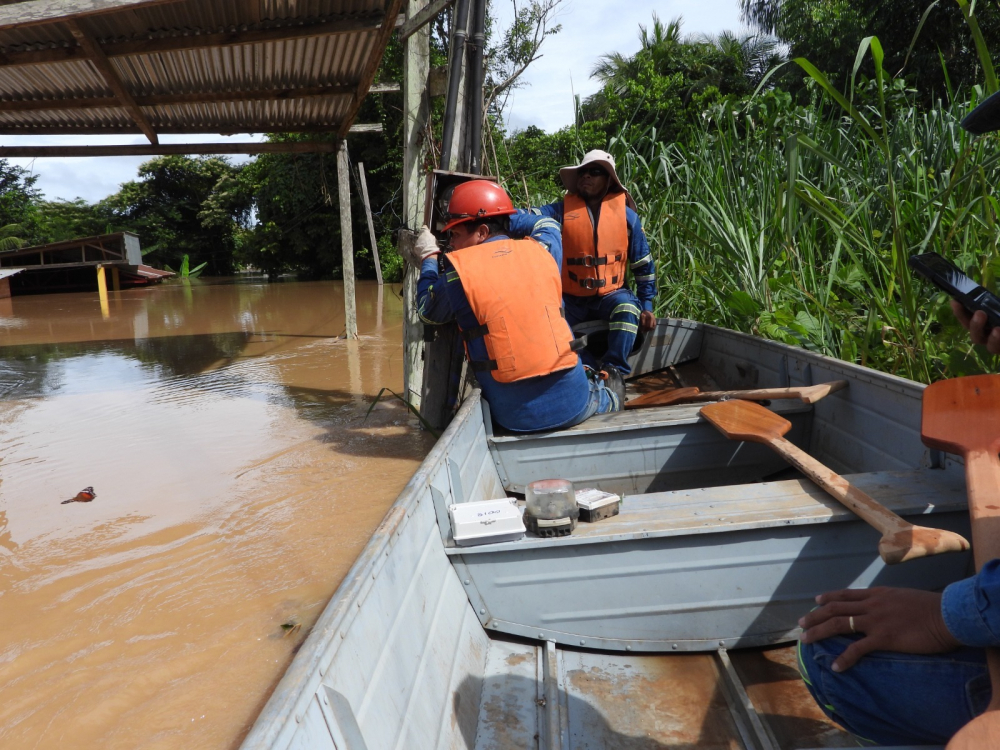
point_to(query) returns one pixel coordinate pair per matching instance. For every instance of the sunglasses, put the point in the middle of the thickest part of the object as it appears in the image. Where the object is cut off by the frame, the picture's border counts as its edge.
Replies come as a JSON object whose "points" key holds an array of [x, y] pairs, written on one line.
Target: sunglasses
{"points": [[594, 172]]}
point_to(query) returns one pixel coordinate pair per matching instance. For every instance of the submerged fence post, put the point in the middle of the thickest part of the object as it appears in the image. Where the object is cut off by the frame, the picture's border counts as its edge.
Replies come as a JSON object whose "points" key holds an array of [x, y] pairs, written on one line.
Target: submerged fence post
{"points": [[371, 224], [347, 240]]}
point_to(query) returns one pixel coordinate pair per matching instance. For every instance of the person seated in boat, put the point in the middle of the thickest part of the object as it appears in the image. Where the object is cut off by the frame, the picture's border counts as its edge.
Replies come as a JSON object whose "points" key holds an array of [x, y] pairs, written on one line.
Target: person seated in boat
{"points": [[505, 294], [602, 237], [901, 666]]}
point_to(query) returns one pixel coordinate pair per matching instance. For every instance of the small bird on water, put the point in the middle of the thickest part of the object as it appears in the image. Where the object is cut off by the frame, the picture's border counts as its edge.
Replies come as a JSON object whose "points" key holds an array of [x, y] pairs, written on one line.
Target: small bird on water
{"points": [[83, 496]]}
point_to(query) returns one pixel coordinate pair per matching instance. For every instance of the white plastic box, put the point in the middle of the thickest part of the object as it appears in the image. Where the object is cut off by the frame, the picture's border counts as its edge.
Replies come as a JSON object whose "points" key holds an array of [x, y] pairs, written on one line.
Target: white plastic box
{"points": [[486, 522]]}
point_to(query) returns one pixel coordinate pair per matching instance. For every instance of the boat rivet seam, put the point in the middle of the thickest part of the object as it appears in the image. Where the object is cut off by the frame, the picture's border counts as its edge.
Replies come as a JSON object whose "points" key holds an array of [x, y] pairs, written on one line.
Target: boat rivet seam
{"points": [[722, 644], [628, 648], [466, 581], [298, 719], [674, 647], [482, 611], [583, 643]]}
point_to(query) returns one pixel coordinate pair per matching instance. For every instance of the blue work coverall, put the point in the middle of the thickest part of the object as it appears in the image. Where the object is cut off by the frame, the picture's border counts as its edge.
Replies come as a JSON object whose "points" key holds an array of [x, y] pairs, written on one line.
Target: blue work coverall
{"points": [[547, 402], [620, 308], [891, 698]]}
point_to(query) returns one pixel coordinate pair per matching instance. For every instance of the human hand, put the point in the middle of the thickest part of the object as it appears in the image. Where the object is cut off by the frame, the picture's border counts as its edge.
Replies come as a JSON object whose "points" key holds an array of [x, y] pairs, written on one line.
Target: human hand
{"points": [[647, 321], [976, 325], [892, 619], [426, 245]]}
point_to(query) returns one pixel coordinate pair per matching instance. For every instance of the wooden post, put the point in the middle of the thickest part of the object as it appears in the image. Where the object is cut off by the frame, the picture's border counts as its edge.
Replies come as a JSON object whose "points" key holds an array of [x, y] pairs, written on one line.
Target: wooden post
{"points": [[416, 67], [116, 284], [102, 292], [347, 241], [371, 224]]}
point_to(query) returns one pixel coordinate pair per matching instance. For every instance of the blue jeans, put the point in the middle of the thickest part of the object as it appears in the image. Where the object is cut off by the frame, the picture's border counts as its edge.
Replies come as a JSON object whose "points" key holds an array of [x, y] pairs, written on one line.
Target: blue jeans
{"points": [[897, 699], [601, 401], [621, 311]]}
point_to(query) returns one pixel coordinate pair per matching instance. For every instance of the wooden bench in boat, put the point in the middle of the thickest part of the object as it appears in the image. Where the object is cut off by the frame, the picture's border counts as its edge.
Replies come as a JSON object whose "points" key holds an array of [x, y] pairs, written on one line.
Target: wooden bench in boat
{"points": [[696, 569], [645, 450]]}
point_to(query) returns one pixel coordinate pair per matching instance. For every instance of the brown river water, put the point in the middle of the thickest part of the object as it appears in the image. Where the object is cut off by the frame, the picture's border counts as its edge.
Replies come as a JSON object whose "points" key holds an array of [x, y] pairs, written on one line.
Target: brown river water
{"points": [[222, 427]]}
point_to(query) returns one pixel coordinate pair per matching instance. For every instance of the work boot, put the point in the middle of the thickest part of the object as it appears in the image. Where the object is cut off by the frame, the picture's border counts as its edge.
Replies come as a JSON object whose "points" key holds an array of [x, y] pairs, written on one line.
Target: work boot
{"points": [[614, 382]]}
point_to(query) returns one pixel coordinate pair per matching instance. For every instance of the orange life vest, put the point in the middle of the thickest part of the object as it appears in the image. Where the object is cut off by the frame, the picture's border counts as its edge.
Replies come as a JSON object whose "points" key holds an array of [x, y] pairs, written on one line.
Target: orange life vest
{"points": [[514, 291], [594, 259]]}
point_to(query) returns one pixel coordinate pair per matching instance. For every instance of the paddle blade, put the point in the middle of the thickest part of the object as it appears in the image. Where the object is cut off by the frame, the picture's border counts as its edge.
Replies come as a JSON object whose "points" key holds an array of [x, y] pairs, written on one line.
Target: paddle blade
{"points": [[962, 414], [745, 420]]}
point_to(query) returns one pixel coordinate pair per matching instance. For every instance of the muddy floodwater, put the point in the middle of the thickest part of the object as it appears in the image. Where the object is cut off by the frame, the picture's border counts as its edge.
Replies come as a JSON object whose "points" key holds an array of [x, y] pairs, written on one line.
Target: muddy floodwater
{"points": [[222, 427]]}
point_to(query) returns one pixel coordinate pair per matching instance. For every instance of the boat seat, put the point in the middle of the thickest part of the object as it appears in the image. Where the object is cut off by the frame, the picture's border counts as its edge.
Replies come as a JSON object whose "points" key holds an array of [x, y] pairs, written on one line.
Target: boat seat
{"points": [[758, 505], [642, 450]]}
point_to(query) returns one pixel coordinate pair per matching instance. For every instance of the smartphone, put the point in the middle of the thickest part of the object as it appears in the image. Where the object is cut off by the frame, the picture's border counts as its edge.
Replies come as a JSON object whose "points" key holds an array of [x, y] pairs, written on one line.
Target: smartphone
{"points": [[947, 276]]}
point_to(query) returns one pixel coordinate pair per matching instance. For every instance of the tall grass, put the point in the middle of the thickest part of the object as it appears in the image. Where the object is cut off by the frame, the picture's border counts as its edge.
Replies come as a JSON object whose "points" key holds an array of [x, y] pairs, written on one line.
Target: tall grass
{"points": [[795, 223]]}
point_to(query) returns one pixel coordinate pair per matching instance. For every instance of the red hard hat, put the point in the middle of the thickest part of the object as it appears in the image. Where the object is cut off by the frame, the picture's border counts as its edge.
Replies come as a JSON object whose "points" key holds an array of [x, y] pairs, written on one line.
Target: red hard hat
{"points": [[477, 199]]}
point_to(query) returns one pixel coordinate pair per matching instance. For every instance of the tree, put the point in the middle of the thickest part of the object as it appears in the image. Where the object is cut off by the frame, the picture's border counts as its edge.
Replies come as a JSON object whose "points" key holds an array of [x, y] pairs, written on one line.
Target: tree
{"points": [[18, 198], [170, 207], [829, 32]]}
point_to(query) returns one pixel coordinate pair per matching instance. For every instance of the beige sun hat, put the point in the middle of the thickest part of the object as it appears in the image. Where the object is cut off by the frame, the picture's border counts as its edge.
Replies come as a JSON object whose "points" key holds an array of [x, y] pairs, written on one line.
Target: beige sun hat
{"points": [[599, 158]]}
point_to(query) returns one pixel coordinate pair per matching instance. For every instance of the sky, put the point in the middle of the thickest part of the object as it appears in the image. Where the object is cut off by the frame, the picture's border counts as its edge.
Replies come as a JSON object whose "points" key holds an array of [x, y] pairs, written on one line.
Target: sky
{"points": [[590, 28]]}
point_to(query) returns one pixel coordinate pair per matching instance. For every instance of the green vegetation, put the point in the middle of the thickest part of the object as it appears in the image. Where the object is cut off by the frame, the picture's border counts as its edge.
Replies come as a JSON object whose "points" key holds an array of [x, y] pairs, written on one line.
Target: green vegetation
{"points": [[790, 211]]}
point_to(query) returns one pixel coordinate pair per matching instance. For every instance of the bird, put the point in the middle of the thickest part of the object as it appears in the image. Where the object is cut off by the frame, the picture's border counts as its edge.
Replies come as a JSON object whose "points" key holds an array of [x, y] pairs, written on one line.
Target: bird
{"points": [[83, 496]]}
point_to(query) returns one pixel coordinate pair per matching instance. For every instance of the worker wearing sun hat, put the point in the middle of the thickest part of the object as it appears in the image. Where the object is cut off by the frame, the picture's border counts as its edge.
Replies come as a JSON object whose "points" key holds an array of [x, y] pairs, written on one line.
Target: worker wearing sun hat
{"points": [[900, 666], [506, 296], [602, 237]]}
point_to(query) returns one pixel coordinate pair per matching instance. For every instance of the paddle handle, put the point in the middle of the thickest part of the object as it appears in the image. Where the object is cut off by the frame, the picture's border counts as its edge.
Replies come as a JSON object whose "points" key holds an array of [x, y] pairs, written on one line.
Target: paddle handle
{"points": [[861, 503], [808, 394]]}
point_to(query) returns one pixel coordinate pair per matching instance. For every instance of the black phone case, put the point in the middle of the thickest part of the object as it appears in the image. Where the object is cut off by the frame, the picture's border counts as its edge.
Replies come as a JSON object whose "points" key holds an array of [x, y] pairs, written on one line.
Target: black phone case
{"points": [[979, 298]]}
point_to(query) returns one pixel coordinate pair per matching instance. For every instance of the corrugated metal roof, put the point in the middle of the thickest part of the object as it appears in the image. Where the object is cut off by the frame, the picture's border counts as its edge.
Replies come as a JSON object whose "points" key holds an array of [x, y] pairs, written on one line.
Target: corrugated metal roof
{"points": [[196, 66]]}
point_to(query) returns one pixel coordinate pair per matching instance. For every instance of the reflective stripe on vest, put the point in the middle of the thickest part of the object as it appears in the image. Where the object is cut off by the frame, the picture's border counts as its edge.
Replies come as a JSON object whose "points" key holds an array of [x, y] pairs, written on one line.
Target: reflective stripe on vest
{"points": [[588, 271], [514, 291]]}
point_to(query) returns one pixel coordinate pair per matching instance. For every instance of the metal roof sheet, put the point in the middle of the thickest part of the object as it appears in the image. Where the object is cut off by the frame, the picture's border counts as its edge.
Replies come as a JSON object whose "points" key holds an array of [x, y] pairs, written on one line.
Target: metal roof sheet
{"points": [[194, 66]]}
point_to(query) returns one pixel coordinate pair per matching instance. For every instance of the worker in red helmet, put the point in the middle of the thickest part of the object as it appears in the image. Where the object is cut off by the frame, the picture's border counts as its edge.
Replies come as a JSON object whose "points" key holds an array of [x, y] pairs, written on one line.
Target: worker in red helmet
{"points": [[506, 295]]}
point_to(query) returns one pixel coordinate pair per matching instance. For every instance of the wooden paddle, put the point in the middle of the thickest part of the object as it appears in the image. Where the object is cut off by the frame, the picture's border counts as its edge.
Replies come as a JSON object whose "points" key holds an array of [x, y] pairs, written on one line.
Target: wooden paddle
{"points": [[809, 394], [901, 540], [962, 416]]}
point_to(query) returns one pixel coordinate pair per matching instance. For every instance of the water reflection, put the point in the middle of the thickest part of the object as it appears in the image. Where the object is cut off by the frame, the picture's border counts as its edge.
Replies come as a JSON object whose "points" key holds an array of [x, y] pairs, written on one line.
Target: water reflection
{"points": [[223, 428]]}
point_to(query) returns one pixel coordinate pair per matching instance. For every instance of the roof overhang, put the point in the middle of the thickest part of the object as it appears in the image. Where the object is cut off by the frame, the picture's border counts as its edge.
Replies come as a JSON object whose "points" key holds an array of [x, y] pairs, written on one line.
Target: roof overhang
{"points": [[187, 66]]}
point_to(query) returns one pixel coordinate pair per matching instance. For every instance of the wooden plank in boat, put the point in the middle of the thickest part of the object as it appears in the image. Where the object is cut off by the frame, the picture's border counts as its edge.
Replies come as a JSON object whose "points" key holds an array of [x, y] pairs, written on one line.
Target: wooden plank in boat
{"points": [[792, 502]]}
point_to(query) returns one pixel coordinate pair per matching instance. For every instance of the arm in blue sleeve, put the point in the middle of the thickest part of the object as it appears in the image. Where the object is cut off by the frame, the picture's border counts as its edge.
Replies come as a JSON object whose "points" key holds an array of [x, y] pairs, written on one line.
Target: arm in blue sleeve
{"points": [[433, 306], [641, 261], [548, 232], [971, 608], [552, 210]]}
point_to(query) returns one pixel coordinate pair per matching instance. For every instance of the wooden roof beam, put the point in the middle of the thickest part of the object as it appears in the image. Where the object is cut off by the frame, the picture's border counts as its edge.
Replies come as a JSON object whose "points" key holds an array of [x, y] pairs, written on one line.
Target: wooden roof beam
{"points": [[155, 100], [103, 65], [328, 26], [164, 149], [207, 129], [202, 97], [423, 16]]}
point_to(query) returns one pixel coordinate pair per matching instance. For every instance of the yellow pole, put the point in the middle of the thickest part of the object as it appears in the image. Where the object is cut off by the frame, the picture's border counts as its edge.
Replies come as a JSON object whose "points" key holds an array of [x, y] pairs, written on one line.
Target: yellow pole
{"points": [[102, 291]]}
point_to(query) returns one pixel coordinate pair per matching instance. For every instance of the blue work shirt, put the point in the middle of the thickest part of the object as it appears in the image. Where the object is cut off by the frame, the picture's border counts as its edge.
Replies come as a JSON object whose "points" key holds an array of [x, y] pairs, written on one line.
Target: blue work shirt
{"points": [[543, 403], [639, 256], [971, 608]]}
